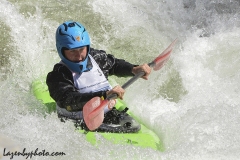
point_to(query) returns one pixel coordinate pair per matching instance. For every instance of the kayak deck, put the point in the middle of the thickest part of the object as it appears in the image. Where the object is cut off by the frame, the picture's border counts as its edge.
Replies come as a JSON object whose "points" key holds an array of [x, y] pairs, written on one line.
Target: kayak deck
{"points": [[144, 138]]}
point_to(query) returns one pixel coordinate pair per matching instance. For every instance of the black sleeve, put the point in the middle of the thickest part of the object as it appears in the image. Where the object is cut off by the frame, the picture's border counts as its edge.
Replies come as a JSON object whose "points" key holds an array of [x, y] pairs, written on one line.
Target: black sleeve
{"points": [[111, 65], [62, 90], [121, 68]]}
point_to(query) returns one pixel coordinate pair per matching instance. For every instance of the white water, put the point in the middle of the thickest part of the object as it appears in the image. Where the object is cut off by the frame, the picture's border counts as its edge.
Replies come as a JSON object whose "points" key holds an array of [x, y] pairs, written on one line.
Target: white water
{"points": [[192, 104]]}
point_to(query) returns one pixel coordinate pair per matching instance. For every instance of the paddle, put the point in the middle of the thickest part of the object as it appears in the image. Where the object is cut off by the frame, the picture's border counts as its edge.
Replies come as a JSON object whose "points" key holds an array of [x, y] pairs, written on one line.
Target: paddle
{"points": [[93, 112]]}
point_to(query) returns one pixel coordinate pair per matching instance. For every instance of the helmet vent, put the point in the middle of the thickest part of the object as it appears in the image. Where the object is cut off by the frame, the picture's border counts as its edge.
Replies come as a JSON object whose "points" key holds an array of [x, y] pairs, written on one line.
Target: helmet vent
{"points": [[80, 67], [71, 24], [65, 26], [60, 33]]}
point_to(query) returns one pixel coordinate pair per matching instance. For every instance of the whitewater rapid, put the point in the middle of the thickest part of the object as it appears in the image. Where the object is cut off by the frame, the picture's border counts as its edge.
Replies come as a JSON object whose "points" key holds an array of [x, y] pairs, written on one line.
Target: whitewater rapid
{"points": [[192, 104]]}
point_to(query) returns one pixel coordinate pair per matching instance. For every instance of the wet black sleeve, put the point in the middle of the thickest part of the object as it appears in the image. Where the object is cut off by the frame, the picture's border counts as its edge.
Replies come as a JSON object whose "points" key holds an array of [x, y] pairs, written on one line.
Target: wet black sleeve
{"points": [[111, 65], [62, 90]]}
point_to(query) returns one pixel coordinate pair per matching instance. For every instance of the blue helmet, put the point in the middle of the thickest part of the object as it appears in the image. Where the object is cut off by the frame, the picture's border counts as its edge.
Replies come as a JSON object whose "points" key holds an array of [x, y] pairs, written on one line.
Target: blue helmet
{"points": [[71, 35]]}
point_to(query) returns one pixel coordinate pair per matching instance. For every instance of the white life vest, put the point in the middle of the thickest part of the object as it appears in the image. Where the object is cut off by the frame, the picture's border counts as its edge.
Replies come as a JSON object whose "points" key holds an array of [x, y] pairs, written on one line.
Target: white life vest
{"points": [[91, 81], [87, 82]]}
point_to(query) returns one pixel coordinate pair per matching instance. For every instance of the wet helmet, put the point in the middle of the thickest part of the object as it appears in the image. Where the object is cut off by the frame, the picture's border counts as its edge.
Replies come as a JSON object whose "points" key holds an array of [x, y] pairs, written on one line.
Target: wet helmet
{"points": [[71, 35]]}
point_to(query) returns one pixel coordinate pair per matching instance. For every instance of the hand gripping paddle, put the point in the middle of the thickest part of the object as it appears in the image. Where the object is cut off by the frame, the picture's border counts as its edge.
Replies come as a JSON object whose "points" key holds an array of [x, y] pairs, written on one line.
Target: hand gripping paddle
{"points": [[93, 112]]}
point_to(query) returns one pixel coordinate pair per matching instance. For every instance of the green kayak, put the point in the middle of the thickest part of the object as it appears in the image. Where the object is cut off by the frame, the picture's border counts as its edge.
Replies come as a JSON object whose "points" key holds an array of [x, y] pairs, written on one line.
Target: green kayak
{"points": [[144, 138]]}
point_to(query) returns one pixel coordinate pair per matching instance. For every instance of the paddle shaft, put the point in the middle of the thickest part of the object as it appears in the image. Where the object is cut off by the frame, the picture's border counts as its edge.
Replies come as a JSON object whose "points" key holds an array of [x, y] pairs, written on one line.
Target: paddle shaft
{"points": [[94, 113], [130, 81], [93, 110]]}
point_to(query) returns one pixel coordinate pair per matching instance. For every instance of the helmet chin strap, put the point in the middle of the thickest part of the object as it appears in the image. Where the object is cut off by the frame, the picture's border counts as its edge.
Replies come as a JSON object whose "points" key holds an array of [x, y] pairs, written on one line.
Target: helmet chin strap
{"points": [[80, 67], [87, 67]]}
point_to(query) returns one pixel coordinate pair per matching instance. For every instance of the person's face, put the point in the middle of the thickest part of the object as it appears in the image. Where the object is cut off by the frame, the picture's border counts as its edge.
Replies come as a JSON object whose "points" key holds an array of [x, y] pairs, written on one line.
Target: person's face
{"points": [[76, 55]]}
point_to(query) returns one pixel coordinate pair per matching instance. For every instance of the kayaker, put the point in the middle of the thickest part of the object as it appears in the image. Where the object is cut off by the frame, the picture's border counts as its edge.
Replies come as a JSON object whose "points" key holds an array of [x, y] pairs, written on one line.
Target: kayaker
{"points": [[83, 74]]}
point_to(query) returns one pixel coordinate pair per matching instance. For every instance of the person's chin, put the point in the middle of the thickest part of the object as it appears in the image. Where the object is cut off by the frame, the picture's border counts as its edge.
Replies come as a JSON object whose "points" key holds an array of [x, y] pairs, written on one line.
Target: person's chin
{"points": [[76, 61]]}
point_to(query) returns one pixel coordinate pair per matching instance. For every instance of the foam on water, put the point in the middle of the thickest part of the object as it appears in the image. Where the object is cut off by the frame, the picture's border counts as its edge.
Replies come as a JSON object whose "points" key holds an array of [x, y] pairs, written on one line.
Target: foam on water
{"points": [[192, 103]]}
